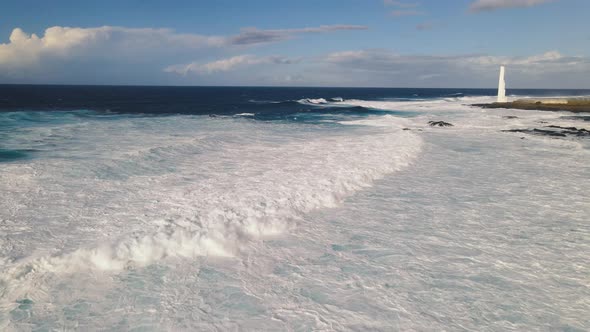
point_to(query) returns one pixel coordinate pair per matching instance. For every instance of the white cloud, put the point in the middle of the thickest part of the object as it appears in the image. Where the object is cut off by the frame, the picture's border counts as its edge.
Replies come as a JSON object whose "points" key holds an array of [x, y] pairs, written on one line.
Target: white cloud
{"points": [[106, 55], [488, 5], [65, 43], [228, 64], [25, 50]]}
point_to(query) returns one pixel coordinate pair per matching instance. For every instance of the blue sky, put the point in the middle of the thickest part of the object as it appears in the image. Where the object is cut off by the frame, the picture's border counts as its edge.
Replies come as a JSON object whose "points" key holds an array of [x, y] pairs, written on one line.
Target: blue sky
{"points": [[423, 43]]}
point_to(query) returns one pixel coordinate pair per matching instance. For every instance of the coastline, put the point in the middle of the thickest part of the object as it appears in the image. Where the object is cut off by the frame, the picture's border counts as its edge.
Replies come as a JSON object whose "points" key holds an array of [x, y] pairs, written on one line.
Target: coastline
{"points": [[575, 105]]}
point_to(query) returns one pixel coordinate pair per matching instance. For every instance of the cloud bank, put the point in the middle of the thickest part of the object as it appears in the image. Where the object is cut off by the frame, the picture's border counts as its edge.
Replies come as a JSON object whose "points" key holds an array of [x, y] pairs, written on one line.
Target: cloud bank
{"points": [[489, 5], [24, 50], [383, 60], [119, 55], [29, 51], [111, 54], [386, 68]]}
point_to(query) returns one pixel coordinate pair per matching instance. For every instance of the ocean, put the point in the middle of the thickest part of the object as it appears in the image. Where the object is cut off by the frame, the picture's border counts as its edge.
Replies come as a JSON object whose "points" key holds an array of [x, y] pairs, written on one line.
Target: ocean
{"points": [[290, 209]]}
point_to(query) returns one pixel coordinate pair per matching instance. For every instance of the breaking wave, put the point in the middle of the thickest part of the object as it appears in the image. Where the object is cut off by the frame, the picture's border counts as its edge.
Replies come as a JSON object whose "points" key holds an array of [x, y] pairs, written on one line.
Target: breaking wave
{"points": [[261, 190]]}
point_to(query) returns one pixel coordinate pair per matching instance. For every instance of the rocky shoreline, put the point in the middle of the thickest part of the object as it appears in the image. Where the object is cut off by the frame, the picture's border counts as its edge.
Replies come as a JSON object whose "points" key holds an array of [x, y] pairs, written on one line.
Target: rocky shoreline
{"points": [[570, 105]]}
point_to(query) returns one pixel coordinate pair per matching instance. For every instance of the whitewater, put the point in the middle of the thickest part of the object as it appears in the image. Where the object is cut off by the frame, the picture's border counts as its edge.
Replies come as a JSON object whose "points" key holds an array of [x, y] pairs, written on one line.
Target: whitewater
{"points": [[320, 220]]}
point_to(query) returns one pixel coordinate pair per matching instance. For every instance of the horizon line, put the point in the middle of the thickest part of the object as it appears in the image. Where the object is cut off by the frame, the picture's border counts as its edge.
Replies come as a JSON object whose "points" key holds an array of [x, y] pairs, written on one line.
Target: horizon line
{"points": [[271, 86]]}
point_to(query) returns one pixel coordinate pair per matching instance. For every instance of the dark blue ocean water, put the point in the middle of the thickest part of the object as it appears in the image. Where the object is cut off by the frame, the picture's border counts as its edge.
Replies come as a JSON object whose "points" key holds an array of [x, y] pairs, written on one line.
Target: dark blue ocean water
{"points": [[23, 106], [214, 100]]}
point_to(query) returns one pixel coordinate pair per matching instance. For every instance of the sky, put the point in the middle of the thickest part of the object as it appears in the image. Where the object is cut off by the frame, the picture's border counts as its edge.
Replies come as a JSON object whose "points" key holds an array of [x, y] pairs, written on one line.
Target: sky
{"points": [[364, 43]]}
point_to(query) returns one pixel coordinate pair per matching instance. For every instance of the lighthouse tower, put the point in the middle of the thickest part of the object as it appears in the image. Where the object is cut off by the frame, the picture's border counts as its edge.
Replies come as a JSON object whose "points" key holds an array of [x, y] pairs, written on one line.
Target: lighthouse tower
{"points": [[502, 87]]}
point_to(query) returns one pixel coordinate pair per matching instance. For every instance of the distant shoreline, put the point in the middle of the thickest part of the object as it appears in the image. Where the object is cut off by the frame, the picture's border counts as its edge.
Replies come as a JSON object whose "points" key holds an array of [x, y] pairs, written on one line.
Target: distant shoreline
{"points": [[574, 105]]}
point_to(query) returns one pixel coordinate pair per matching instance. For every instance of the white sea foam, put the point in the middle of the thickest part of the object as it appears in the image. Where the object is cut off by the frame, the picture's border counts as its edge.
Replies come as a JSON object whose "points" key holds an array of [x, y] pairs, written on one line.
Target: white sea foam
{"points": [[466, 117], [452, 242], [165, 192], [312, 101]]}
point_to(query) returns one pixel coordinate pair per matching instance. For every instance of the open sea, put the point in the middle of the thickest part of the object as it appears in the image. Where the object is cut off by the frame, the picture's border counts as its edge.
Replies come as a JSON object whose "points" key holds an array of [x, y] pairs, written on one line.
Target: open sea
{"points": [[290, 209]]}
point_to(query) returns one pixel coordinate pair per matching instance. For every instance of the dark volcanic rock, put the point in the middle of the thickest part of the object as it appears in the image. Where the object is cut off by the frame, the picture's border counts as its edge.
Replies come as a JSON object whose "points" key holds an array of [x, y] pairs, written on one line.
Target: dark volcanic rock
{"points": [[439, 124], [536, 132], [572, 130], [577, 117], [560, 127], [548, 132], [555, 131]]}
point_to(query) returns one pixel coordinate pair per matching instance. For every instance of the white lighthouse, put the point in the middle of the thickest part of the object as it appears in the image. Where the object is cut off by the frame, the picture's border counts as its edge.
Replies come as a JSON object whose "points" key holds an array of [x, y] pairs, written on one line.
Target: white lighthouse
{"points": [[502, 87]]}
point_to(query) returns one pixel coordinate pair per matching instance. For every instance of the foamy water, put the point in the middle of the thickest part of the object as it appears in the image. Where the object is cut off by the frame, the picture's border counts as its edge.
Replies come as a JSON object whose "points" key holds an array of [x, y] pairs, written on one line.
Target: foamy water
{"points": [[199, 223]]}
